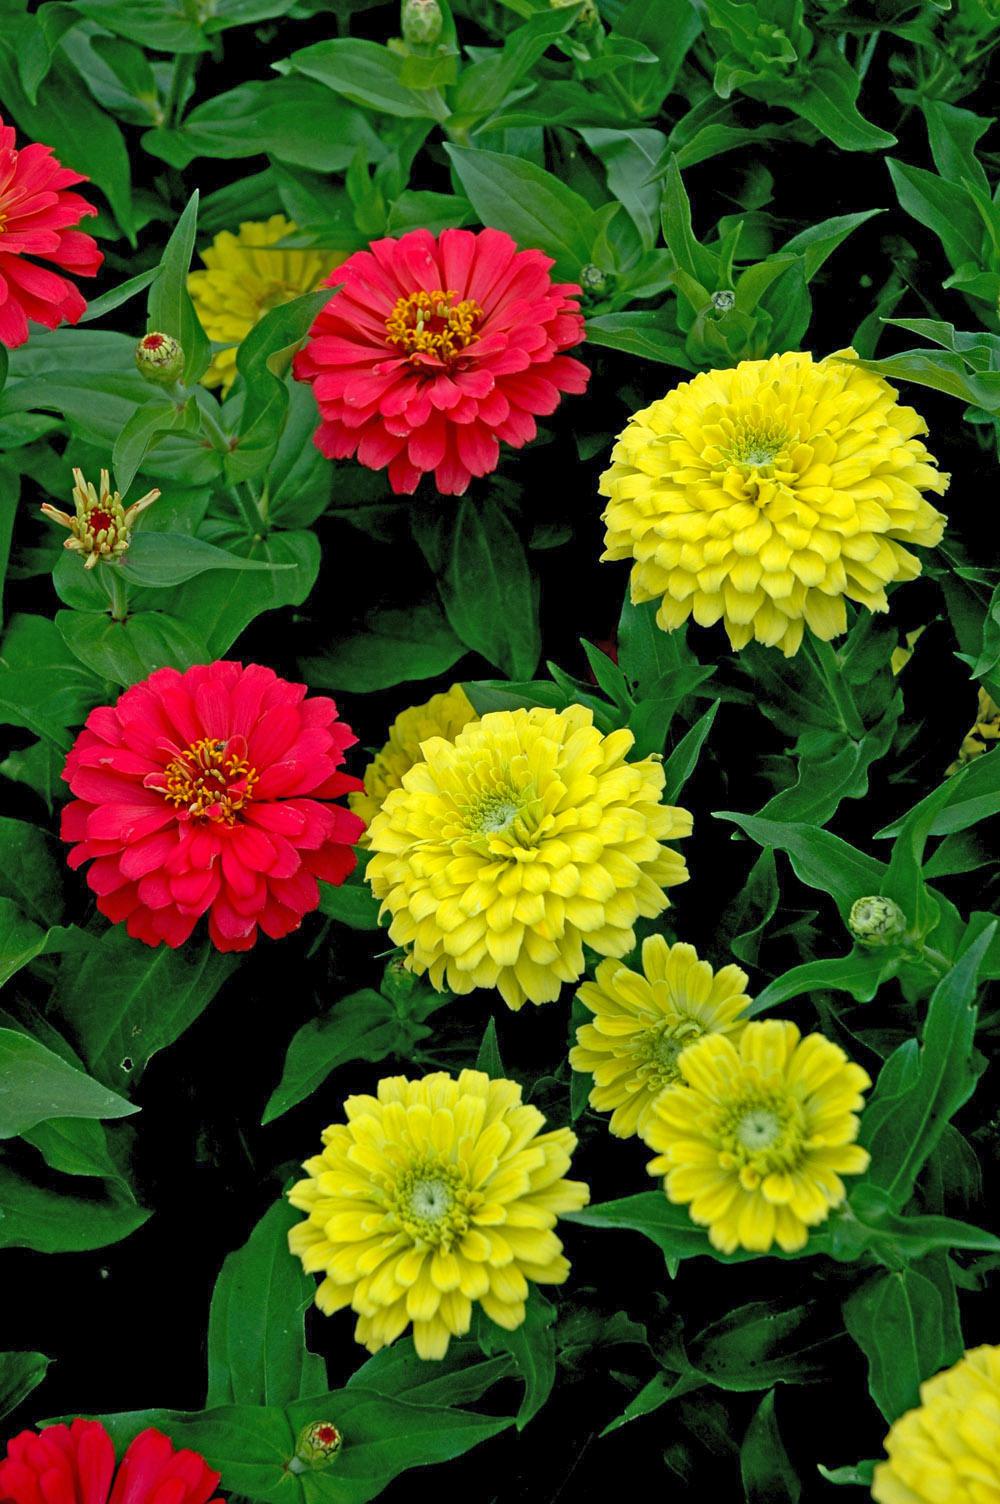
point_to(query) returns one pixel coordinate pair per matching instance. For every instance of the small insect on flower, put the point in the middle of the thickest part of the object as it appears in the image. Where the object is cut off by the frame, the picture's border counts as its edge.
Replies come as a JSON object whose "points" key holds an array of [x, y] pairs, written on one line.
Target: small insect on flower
{"points": [[642, 1022], [507, 850], [766, 496], [101, 527], [37, 216], [947, 1451], [434, 1195], [757, 1133], [75, 1464]]}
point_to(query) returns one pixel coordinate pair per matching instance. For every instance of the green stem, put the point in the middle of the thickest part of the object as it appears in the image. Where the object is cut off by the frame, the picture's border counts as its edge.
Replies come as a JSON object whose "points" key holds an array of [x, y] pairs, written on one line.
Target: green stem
{"points": [[110, 575], [825, 661], [242, 498]]}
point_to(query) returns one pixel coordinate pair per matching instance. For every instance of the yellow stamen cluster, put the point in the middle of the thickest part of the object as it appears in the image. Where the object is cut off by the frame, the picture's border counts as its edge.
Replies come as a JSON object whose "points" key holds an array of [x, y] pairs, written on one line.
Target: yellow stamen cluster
{"points": [[948, 1450], [433, 1195], [101, 526], [643, 1021], [506, 851], [442, 715], [210, 779], [433, 323], [767, 495], [756, 1135]]}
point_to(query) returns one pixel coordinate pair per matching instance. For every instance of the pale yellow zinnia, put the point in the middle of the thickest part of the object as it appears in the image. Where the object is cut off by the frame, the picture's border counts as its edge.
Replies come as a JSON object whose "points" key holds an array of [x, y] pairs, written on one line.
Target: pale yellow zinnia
{"points": [[435, 1194], [766, 495], [506, 851], [985, 731], [246, 276], [441, 715], [948, 1450], [755, 1139], [643, 1021]]}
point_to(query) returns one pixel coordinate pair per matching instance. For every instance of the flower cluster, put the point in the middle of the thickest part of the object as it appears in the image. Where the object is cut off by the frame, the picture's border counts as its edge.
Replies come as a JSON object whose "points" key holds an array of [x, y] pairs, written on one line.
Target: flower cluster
{"points": [[509, 848], [433, 350], [434, 1195], [209, 792], [37, 218], [767, 495]]}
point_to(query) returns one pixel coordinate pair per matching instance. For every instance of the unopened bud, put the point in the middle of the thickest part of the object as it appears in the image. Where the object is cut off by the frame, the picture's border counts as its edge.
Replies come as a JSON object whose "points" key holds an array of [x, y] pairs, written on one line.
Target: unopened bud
{"points": [[723, 300], [876, 921], [421, 22], [592, 279], [160, 358], [318, 1445]]}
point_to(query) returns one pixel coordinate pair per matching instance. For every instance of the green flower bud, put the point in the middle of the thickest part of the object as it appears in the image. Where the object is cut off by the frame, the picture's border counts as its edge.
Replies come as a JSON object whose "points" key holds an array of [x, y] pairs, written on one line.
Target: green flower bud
{"points": [[159, 358], [723, 300], [876, 921], [593, 280], [318, 1445], [421, 22]]}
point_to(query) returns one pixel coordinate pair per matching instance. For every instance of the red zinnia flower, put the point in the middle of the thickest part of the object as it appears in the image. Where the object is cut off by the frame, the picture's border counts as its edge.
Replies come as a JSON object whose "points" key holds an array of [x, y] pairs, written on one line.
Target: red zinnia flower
{"points": [[75, 1465], [434, 349], [201, 792], [35, 218]]}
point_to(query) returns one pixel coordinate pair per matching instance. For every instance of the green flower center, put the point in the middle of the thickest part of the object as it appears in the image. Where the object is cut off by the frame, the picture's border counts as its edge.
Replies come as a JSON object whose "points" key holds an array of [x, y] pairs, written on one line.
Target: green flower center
{"points": [[431, 1203], [763, 1135], [756, 442], [658, 1048]]}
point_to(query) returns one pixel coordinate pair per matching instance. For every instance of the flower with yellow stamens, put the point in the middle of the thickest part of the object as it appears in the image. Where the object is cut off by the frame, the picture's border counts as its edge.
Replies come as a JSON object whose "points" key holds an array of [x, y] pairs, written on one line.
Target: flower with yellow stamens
{"points": [[985, 730], [947, 1451], [246, 276], [506, 851], [642, 1022], [441, 715], [767, 495], [756, 1137], [101, 526], [435, 1194]]}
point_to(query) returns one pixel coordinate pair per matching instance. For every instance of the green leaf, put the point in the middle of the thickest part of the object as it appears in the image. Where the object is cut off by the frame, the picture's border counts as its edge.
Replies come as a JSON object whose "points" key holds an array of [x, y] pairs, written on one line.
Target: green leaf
{"points": [[483, 87], [146, 425], [820, 859], [920, 1090], [898, 1320], [351, 903], [485, 583], [641, 333], [829, 102], [127, 651], [109, 301], [532, 1346], [462, 1376], [364, 73], [257, 1352], [765, 1467], [684, 758], [757, 1345], [22, 941], [20, 1373], [42, 1219], [973, 794], [531, 204], [170, 309], [31, 869], [166, 28], [36, 1085], [362, 1026], [817, 242], [671, 1229], [219, 605], [488, 1058], [42, 686], [944, 207], [860, 973], [161, 560], [395, 646], [156, 995]]}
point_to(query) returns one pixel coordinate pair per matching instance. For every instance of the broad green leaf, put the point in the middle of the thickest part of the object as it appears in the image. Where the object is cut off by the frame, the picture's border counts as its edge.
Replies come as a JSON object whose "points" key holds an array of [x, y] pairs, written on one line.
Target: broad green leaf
{"points": [[47, 1221], [162, 560], [820, 859], [488, 1059], [461, 1377], [36, 1085], [351, 903], [262, 360], [219, 605], [829, 102], [860, 973], [671, 1229], [393, 646], [257, 1352], [20, 1373], [765, 1467], [31, 870], [366, 74], [899, 1322], [362, 1026], [127, 651], [170, 308], [532, 1346]]}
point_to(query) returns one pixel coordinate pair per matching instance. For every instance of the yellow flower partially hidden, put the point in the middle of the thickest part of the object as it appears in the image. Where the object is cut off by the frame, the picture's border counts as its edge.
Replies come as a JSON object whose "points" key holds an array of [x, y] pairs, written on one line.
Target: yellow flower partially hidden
{"points": [[985, 731], [642, 1022], [756, 1139], [441, 715], [506, 851], [766, 495], [435, 1194], [246, 277], [948, 1450]]}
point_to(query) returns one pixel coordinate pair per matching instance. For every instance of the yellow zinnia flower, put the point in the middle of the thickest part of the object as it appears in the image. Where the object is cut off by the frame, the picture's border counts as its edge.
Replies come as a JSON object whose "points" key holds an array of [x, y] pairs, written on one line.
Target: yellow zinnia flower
{"points": [[641, 1024], [507, 850], [442, 715], [435, 1194], [948, 1450], [246, 277], [763, 496], [756, 1139], [985, 730]]}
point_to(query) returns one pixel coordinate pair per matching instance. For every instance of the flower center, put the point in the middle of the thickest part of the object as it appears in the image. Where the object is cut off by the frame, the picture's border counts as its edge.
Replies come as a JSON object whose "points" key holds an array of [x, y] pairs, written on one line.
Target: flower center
{"points": [[210, 780], [756, 442], [659, 1046], [763, 1135], [433, 323], [431, 1203]]}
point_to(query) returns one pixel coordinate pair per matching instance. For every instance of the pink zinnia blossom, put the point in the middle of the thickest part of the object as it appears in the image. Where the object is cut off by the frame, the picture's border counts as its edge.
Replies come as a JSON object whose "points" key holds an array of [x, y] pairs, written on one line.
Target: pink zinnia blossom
{"points": [[36, 216], [208, 792], [75, 1464], [436, 348]]}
